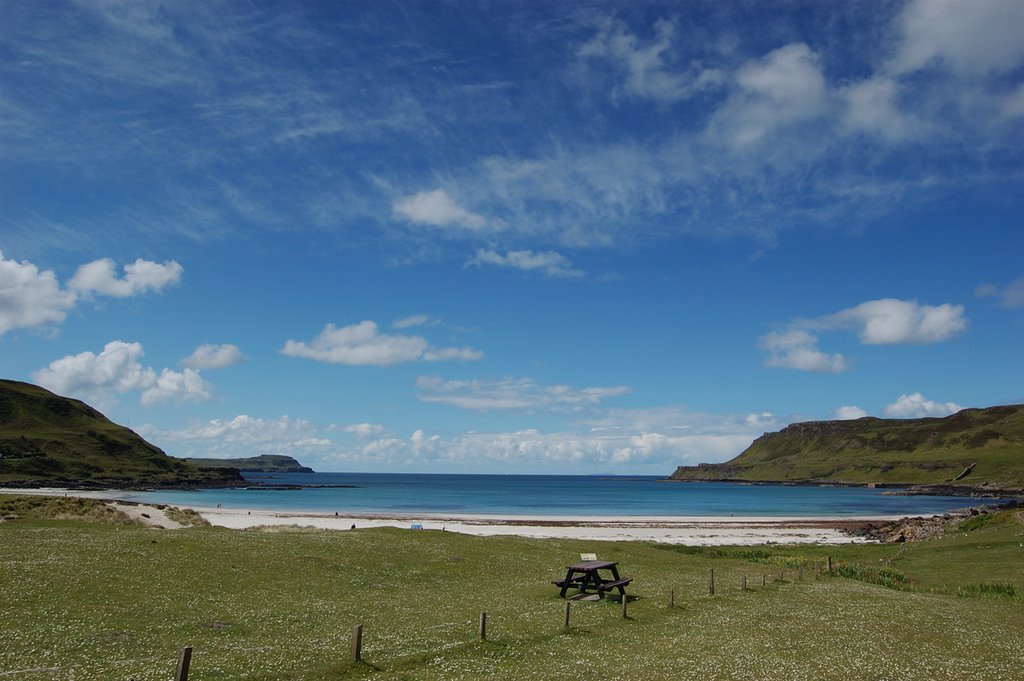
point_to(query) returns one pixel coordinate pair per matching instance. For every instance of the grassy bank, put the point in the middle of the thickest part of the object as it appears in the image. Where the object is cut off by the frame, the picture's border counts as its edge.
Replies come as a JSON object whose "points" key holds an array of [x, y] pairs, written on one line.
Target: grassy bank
{"points": [[105, 601]]}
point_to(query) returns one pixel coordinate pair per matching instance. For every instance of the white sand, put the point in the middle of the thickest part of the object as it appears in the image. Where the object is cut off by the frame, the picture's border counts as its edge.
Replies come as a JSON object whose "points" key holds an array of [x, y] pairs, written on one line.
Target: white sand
{"points": [[706, 531], [691, 530]]}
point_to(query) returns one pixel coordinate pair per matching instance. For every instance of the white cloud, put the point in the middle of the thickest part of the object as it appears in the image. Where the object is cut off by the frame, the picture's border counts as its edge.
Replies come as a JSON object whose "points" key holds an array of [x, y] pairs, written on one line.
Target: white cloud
{"points": [[312, 442], [116, 370], [555, 451], [849, 413], [438, 209], [969, 38], [214, 357], [30, 298], [445, 354], [365, 430], [763, 421], [1011, 297], [657, 439], [240, 436], [871, 107], [917, 406], [1012, 105], [414, 320], [643, 65], [897, 322], [363, 344], [512, 393], [549, 262], [797, 349], [877, 322], [176, 386], [785, 86], [141, 276]]}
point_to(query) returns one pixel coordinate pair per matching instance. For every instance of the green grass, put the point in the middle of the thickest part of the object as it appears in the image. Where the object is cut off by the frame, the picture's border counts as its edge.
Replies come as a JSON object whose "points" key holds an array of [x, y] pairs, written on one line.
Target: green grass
{"points": [[45, 438], [984, 446], [100, 601], [61, 508]]}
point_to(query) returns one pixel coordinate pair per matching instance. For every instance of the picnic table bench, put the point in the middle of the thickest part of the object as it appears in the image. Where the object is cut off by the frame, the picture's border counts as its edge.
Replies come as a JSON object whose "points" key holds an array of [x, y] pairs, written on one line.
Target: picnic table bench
{"points": [[586, 576]]}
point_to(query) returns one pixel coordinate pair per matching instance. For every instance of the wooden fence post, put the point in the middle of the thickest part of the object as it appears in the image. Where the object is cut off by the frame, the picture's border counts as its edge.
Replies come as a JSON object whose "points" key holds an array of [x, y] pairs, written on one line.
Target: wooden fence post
{"points": [[184, 662], [744, 582], [357, 643], [483, 626], [764, 579], [711, 581], [830, 564], [782, 575], [671, 598], [625, 600], [567, 614]]}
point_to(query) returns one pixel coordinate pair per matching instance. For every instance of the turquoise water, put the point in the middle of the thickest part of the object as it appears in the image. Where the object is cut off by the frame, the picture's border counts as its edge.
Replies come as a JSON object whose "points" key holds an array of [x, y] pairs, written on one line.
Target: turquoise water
{"points": [[562, 495]]}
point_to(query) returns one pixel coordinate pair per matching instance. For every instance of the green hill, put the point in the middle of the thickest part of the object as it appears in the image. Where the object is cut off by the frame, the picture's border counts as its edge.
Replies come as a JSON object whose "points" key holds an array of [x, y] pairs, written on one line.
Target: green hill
{"points": [[972, 450], [46, 439], [265, 463]]}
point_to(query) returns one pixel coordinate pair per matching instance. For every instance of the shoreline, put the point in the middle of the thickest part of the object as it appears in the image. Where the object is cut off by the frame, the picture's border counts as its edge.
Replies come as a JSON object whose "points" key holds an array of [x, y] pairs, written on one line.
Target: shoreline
{"points": [[689, 530]]}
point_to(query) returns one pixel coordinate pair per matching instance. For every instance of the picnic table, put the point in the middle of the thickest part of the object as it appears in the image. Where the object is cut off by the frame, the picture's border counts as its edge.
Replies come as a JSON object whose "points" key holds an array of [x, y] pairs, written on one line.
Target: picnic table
{"points": [[586, 576]]}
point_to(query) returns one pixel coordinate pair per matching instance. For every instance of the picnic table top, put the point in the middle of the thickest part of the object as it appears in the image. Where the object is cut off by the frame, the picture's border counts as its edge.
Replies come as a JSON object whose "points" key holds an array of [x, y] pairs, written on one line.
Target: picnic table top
{"points": [[590, 565]]}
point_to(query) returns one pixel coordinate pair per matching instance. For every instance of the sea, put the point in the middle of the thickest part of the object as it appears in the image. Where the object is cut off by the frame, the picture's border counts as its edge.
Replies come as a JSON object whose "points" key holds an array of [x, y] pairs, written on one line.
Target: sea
{"points": [[549, 495]]}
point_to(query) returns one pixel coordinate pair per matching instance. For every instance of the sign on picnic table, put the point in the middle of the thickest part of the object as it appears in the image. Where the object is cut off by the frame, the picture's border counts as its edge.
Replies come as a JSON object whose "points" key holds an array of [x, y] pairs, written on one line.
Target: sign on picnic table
{"points": [[588, 556]]}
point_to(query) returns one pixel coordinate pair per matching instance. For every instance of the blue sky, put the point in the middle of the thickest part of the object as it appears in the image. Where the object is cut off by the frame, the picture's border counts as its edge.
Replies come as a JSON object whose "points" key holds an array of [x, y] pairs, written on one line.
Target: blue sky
{"points": [[519, 237]]}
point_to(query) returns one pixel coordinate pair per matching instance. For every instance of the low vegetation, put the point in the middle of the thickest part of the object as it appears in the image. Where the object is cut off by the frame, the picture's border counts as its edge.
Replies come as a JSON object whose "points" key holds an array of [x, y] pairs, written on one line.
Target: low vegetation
{"points": [[264, 463], [60, 508], [103, 601], [972, 450], [46, 439]]}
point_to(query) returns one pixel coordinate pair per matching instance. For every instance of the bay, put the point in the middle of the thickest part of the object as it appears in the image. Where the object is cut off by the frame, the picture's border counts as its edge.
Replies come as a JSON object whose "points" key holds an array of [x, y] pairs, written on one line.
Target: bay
{"points": [[556, 495]]}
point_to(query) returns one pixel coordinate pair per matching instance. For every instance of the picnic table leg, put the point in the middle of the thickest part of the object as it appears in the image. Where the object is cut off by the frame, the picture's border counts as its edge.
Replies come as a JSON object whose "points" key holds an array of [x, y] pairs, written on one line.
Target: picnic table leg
{"points": [[565, 584]]}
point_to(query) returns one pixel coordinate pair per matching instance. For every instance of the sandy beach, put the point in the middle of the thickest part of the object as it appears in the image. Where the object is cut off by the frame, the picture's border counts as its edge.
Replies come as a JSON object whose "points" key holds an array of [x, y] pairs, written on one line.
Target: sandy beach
{"points": [[691, 530]]}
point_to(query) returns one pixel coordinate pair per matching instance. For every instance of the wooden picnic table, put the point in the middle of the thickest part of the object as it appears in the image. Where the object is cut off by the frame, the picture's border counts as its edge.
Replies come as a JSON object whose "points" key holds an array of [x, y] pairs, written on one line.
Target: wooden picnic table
{"points": [[586, 576]]}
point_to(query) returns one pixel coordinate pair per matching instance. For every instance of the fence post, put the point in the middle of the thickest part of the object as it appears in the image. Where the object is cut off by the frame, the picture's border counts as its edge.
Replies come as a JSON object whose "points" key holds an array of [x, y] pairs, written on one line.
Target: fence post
{"points": [[744, 582], [764, 579], [567, 614], [830, 564], [624, 607], [711, 581], [782, 575], [184, 662], [671, 598], [483, 626], [800, 574], [357, 643]]}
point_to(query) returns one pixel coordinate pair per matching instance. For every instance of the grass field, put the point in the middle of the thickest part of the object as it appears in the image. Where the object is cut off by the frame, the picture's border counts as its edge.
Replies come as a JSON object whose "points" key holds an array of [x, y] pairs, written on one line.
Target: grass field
{"points": [[90, 600]]}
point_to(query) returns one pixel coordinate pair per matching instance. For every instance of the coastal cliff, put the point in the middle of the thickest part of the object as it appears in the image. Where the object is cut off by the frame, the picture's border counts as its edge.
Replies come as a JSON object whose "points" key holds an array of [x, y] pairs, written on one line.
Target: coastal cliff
{"points": [[972, 451], [265, 463], [49, 440]]}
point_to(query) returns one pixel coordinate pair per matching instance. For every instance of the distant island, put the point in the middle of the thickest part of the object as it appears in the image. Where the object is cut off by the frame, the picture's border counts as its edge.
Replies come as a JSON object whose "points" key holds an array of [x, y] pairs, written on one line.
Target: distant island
{"points": [[265, 463], [49, 440], [974, 451]]}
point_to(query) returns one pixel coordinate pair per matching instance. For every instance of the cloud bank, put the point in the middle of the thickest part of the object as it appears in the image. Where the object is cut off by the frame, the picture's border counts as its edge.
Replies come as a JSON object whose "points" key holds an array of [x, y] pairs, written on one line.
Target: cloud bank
{"points": [[116, 370], [877, 322], [30, 298]]}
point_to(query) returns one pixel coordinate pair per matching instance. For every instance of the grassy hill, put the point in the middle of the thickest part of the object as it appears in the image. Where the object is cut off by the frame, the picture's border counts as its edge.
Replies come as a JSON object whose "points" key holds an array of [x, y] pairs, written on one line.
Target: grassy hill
{"points": [[46, 439], [974, 449], [264, 463]]}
